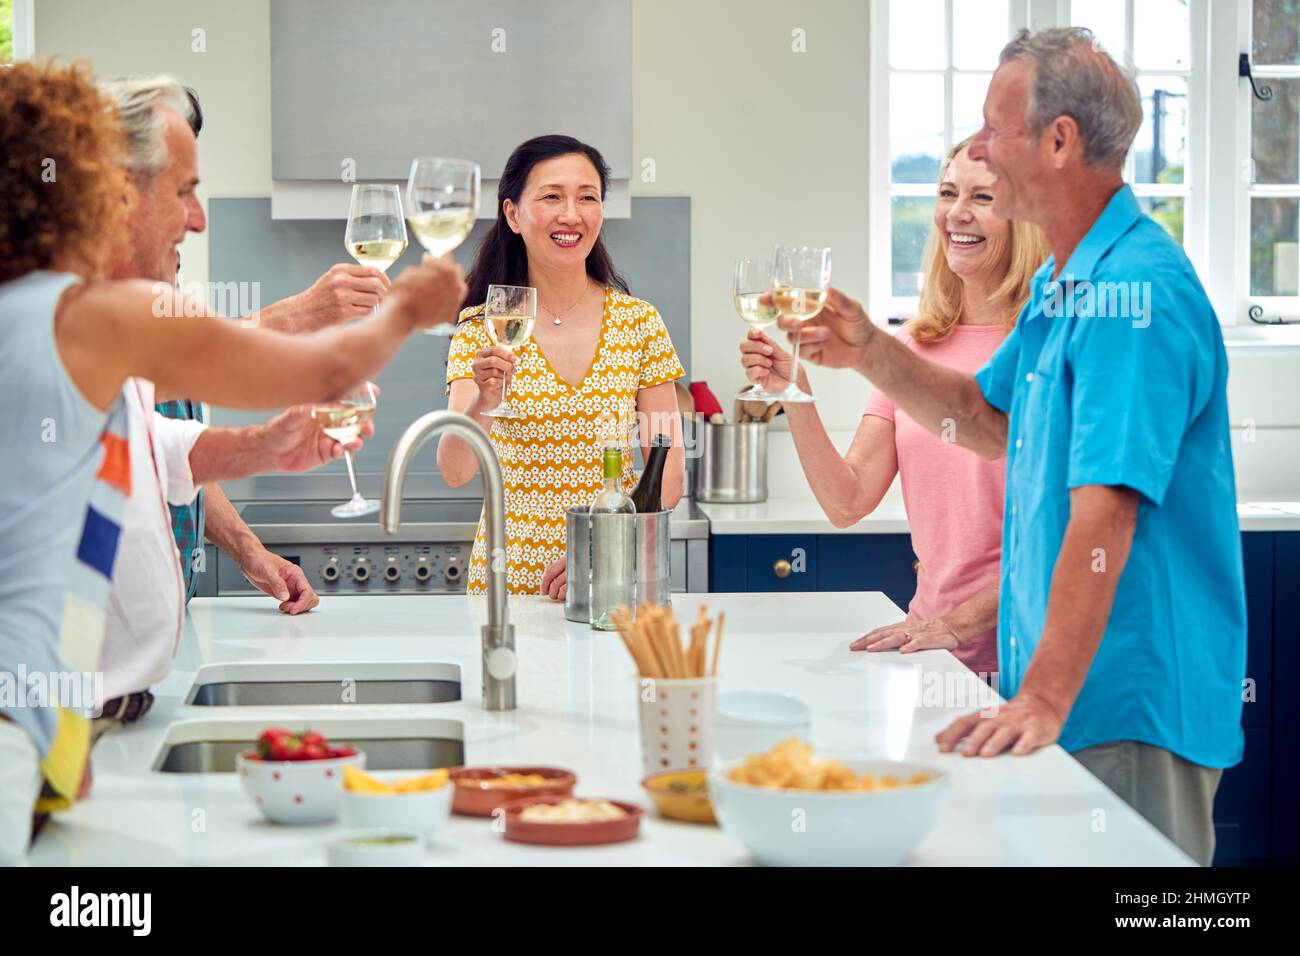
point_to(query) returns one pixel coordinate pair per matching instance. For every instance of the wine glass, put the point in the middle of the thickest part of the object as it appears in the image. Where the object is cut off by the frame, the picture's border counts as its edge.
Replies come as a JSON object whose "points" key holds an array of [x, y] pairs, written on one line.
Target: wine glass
{"points": [[753, 278], [343, 421], [442, 204], [376, 234], [508, 315], [801, 280]]}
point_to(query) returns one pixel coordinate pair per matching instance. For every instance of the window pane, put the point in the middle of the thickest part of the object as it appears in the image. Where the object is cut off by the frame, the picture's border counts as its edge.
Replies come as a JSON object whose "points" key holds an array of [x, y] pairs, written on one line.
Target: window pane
{"points": [[1161, 37], [1160, 150], [968, 91], [979, 32], [1166, 210], [1274, 246], [6, 31], [1276, 32], [1105, 18], [915, 127], [916, 35], [1275, 134], [911, 219]]}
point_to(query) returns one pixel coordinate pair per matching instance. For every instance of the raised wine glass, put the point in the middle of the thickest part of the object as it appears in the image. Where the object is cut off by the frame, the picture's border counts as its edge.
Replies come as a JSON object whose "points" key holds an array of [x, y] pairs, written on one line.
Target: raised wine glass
{"points": [[376, 234], [509, 314], [343, 421], [441, 205], [753, 277], [801, 280]]}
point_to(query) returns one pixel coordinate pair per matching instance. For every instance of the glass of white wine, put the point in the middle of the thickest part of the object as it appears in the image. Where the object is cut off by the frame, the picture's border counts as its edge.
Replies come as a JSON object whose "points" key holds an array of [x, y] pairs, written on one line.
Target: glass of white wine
{"points": [[376, 234], [801, 280], [343, 421], [442, 204], [508, 315], [752, 279]]}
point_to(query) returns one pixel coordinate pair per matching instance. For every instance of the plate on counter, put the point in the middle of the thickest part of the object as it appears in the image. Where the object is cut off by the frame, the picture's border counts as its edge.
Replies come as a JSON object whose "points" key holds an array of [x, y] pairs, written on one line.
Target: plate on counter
{"points": [[560, 832], [480, 790]]}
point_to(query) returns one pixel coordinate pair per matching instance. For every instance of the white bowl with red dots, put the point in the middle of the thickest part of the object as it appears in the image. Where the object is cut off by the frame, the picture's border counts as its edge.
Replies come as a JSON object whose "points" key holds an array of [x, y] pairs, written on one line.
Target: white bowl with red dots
{"points": [[295, 791], [676, 717]]}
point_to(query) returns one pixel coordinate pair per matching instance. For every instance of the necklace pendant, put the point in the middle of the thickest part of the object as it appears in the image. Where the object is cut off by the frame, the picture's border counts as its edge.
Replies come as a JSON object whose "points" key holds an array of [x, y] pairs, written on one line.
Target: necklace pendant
{"points": [[557, 320]]}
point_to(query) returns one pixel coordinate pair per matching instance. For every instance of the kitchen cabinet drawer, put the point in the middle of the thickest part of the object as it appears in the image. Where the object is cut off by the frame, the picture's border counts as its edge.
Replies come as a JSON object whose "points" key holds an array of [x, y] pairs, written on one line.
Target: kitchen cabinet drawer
{"points": [[867, 562], [1243, 805], [1257, 554], [781, 562]]}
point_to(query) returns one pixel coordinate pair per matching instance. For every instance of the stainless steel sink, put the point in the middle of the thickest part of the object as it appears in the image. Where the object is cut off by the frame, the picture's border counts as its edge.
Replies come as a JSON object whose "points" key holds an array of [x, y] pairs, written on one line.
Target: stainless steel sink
{"points": [[202, 746], [259, 684]]}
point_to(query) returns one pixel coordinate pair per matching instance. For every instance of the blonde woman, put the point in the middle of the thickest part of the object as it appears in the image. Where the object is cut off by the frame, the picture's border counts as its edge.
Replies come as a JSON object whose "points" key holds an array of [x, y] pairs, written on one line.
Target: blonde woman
{"points": [[978, 269]]}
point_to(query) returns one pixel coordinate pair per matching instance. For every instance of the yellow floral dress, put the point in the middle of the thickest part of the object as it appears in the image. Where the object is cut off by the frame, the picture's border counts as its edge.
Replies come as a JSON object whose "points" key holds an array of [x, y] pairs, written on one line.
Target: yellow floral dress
{"points": [[551, 457]]}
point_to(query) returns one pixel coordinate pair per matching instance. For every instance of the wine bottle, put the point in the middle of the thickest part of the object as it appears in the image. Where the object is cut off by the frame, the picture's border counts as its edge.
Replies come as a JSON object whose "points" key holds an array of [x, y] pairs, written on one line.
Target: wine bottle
{"points": [[648, 494], [613, 544]]}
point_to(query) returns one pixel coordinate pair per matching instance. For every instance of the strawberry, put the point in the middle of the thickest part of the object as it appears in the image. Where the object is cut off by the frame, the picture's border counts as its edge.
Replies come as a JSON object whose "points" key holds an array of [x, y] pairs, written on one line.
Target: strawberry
{"points": [[271, 743], [336, 752]]}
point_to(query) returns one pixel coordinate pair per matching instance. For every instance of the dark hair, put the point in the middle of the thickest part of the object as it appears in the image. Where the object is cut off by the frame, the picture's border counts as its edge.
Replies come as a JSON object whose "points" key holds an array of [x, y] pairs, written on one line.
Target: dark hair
{"points": [[196, 124], [501, 256]]}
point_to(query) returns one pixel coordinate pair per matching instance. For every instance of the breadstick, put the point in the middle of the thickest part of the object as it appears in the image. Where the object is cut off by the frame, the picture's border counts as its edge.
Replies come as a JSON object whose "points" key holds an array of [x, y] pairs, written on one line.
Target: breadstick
{"points": [[717, 647]]}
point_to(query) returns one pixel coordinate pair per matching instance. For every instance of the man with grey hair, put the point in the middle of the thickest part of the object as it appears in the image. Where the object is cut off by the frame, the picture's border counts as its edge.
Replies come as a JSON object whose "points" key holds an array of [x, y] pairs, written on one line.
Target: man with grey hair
{"points": [[156, 567], [1122, 627]]}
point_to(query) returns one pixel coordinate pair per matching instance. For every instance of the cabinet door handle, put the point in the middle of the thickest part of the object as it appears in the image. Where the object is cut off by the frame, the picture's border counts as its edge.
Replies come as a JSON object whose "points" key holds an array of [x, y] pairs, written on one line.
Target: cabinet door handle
{"points": [[782, 568], [916, 565]]}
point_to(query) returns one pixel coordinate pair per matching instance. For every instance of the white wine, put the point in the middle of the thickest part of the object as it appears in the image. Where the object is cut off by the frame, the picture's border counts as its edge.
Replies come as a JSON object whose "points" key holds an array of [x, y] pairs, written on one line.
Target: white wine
{"points": [[379, 253], [798, 303], [613, 544], [342, 421], [442, 230], [509, 331], [752, 311]]}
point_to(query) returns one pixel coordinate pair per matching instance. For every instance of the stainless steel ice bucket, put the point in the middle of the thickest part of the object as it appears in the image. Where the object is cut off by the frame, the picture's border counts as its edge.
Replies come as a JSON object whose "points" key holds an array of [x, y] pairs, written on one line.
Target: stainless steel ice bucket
{"points": [[653, 556]]}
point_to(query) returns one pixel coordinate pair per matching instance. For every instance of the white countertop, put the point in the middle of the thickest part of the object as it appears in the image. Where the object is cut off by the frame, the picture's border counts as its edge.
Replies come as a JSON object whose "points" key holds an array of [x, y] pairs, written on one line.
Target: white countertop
{"points": [[791, 507], [577, 709]]}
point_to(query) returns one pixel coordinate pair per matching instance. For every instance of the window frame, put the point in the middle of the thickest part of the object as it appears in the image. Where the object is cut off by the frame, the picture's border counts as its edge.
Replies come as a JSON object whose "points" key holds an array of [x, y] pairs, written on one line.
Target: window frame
{"points": [[24, 36]]}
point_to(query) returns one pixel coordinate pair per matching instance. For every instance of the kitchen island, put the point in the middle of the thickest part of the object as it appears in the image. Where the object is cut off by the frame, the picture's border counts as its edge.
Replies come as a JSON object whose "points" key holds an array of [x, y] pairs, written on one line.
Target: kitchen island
{"points": [[577, 709]]}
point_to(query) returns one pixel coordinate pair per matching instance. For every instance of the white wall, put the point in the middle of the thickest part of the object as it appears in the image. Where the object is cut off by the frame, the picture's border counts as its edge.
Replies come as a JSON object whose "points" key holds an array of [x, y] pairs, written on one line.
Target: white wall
{"points": [[770, 144]]}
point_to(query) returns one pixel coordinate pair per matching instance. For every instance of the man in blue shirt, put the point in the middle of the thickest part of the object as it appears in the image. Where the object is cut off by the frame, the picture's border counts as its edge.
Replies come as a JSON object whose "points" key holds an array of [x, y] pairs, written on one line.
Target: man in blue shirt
{"points": [[1122, 626]]}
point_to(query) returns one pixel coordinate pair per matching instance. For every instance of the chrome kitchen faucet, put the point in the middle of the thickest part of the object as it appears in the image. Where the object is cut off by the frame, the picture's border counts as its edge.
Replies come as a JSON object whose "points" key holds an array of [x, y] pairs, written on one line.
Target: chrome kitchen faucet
{"points": [[499, 662]]}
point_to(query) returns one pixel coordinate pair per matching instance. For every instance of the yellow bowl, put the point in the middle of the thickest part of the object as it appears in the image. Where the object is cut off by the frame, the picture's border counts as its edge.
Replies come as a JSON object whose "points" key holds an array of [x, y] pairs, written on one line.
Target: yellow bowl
{"points": [[671, 798]]}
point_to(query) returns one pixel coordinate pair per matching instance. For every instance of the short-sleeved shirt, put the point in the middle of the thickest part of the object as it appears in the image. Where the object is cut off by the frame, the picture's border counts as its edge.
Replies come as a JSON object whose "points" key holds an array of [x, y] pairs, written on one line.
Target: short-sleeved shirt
{"points": [[187, 520], [953, 498], [1116, 374], [551, 457]]}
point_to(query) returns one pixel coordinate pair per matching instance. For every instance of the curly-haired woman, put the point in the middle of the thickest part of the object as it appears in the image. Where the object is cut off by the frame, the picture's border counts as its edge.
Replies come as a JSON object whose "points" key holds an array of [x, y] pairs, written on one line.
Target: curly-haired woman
{"points": [[68, 341]]}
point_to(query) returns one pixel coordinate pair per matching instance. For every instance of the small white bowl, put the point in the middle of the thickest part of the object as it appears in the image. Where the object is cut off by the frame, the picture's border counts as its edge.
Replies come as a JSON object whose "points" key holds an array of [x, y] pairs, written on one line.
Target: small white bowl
{"points": [[377, 847], [420, 811], [827, 827], [296, 791], [754, 721]]}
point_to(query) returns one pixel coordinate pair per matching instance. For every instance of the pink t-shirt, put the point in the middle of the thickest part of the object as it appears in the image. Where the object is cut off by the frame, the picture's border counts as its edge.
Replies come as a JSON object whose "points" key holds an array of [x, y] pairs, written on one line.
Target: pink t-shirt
{"points": [[953, 498]]}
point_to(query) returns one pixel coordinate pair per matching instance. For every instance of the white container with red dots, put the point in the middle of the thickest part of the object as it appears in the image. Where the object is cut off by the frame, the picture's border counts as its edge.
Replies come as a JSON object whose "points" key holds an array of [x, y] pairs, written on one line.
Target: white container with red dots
{"points": [[295, 791], [677, 722]]}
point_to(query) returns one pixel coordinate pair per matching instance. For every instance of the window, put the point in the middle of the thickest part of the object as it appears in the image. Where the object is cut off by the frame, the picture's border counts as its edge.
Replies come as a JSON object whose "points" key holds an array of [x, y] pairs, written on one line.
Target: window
{"points": [[6, 31], [940, 55], [1153, 38], [1272, 193], [15, 30]]}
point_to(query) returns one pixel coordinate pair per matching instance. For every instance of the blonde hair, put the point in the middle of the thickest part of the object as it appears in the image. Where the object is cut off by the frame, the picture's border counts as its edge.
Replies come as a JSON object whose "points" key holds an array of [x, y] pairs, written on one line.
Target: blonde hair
{"points": [[943, 296]]}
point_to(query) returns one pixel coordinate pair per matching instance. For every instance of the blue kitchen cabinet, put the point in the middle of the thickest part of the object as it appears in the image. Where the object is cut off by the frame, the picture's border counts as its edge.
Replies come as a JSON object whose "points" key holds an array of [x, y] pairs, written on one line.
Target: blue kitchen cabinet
{"points": [[868, 562], [1257, 552], [1286, 703], [1243, 806], [763, 562]]}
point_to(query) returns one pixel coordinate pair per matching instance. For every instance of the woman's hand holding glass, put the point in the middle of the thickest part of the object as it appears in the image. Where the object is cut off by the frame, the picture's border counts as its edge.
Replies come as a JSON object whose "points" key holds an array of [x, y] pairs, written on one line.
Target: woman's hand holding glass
{"points": [[491, 366], [766, 364]]}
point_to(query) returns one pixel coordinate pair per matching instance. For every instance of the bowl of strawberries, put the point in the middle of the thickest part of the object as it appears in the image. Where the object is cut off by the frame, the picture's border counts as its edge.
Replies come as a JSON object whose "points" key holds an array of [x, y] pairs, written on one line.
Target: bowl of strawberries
{"points": [[296, 777]]}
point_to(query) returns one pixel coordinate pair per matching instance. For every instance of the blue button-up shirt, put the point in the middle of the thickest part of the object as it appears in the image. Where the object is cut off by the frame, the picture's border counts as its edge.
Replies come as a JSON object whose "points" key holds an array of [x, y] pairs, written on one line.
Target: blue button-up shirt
{"points": [[1116, 374]]}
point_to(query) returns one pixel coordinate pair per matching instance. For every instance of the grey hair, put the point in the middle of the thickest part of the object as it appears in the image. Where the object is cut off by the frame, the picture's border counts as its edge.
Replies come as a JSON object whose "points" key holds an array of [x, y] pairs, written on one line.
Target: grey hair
{"points": [[1075, 77], [136, 99]]}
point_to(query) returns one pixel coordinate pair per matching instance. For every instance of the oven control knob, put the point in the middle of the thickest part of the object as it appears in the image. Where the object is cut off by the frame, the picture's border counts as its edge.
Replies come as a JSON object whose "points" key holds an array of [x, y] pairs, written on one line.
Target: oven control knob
{"points": [[392, 570], [331, 570], [452, 573], [422, 569], [361, 570]]}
